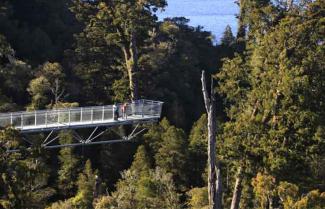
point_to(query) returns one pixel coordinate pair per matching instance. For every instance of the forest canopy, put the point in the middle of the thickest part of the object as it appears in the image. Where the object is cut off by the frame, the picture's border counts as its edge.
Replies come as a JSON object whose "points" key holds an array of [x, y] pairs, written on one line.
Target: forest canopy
{"points": [[268, 81]]}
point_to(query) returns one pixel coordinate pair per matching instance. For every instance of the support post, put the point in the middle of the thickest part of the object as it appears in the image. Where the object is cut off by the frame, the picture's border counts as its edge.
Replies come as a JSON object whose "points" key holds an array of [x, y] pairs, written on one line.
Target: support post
{"points": [[103, 114], [58, 116], [81, 115], [22, 120], [35, 118], [11, 119], [46, 119], [142, 108], [69, 116], [91, 115]]}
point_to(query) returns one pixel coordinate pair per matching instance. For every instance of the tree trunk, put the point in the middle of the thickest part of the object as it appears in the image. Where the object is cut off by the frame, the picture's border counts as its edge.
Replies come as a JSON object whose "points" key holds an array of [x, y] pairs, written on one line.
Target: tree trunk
{"points": [[57, 92], [210, 105], [237, 190], [212, 159], [218, 186], [241, 33], [289, 4], [131, 61]]}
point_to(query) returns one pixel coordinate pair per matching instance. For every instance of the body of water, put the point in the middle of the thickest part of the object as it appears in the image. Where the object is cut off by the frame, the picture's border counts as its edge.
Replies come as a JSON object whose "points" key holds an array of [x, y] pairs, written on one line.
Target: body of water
{"points": [[213, 15]]}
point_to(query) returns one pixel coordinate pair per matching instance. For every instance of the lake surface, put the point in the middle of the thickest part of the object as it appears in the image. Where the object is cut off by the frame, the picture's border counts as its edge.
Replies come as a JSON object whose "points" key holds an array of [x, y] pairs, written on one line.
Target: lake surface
{"points": [[213, 15]]}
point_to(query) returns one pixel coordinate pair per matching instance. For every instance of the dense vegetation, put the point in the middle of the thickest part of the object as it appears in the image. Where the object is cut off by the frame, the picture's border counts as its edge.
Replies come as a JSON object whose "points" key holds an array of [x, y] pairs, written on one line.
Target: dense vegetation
{"points": [[270, 81]]}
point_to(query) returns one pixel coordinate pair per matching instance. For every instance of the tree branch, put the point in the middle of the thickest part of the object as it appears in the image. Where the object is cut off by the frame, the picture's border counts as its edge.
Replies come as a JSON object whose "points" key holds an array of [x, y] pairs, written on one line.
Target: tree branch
{"points": [[205, 92]]}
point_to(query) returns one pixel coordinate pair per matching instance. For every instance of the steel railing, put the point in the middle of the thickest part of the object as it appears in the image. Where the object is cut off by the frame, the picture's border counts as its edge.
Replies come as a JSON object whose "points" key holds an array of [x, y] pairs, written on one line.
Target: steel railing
{"points": [[80, 115]]}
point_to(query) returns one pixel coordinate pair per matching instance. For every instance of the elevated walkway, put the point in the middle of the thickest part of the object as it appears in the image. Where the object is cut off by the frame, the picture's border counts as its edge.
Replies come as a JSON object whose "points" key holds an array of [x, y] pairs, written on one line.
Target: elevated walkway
{"points": [[137, 112]]}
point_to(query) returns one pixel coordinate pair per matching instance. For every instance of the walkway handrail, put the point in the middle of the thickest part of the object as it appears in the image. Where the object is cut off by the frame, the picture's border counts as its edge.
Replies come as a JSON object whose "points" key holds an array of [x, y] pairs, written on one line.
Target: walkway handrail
{"points": [[69, 116]]}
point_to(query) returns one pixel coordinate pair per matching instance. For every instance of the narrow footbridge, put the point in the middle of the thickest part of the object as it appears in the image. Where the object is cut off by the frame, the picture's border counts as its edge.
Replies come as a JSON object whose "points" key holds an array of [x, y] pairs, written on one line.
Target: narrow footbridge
{"points": [[97, 117]]}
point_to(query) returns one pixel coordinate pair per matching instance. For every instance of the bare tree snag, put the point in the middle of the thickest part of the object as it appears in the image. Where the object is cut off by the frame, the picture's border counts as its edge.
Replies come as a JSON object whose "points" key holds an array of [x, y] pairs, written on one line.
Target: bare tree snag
{"points": [[214, 183], [289, 4], [218, 186], [57, 91], [237, 190]]}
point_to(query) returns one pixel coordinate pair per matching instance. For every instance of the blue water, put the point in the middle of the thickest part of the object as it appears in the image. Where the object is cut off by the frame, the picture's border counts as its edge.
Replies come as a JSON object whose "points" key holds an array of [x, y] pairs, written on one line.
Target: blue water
{"points": [[213, 15]]}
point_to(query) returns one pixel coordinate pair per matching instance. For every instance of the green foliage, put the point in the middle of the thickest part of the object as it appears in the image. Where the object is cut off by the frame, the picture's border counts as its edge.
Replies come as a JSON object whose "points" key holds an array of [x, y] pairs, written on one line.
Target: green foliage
{"points": [[38, 88], [123, 26], [155, 190], [5, 48], [313, 200], [170, 147], [274, 100], [264, 189], [104, 202], [23, 175], [141, 163], [48, 87], [272, 91], [228, 38], [121, 90], [198, 136], [86, 187], [69, 166], [288, 193], [198, 150], [180, 52], [38, 30], [67, 204], [11, 70], [198, 198], [169, 49]]}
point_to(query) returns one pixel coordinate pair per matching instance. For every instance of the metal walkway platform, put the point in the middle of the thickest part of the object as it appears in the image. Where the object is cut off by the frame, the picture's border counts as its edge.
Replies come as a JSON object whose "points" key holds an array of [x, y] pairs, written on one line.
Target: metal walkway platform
{"points": [[84, 117], [137, 112]]}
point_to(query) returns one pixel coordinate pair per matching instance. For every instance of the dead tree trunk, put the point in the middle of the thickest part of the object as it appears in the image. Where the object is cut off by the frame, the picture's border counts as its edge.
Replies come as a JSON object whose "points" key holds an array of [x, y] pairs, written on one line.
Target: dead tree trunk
{"points": [[210, 105], [218, 186], [57, 91], [237, 190], [289, 4]]}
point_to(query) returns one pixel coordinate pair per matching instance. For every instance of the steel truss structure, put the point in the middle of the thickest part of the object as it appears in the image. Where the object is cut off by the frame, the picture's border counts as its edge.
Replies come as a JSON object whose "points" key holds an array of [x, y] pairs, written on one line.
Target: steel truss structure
{"points": [[50, 142]]}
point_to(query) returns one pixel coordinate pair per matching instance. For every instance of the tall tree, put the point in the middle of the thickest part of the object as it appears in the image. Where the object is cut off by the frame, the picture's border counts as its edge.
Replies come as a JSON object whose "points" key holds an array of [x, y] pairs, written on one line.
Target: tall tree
{"points": [[47, 89], [86, 188], [68, 166], [154, 190], [141, 162], [12, 69], [270, 92], [172, 154], [126, 25], [24, 174], [228, 38], [198, 150]]}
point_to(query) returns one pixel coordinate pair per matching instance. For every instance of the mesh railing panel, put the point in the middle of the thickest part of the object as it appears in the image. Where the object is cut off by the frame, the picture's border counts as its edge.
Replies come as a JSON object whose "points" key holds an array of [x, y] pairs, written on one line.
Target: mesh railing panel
{"points": [[82, 115]]}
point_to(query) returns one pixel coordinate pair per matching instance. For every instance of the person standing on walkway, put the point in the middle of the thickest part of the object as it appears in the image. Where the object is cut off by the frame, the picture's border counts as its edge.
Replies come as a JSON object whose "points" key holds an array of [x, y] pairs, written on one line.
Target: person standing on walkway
{"points": [[115, 111], [124, 110]]}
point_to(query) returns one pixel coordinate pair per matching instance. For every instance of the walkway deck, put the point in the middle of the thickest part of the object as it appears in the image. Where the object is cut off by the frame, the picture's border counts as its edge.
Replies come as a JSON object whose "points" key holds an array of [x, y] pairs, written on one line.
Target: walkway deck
{"points": [[140, 111]]}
